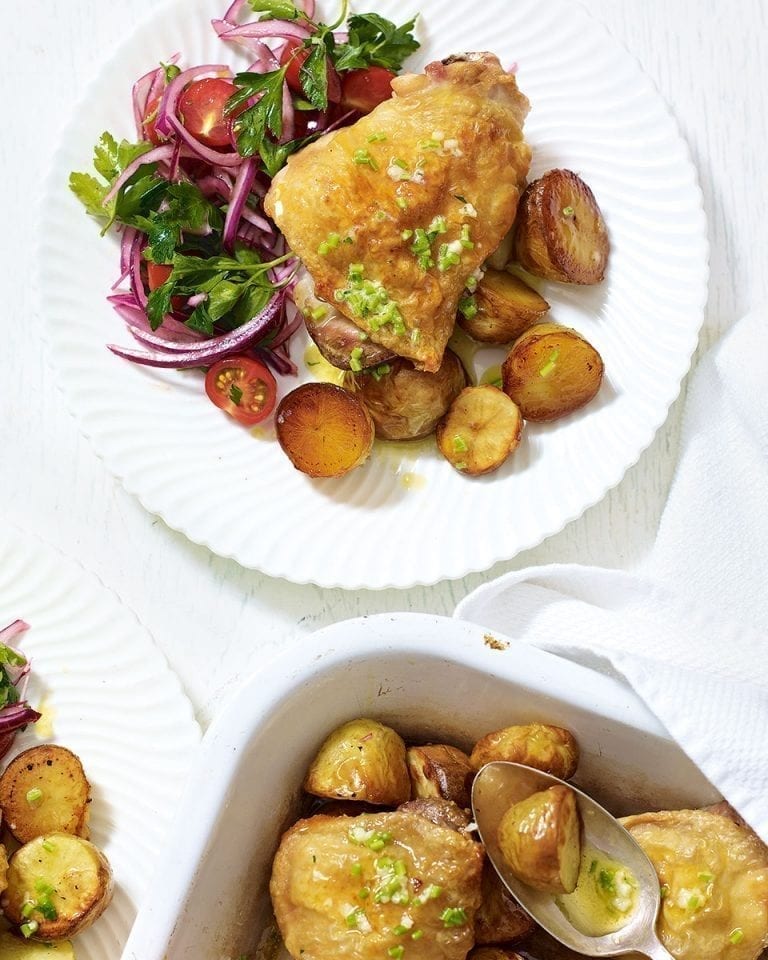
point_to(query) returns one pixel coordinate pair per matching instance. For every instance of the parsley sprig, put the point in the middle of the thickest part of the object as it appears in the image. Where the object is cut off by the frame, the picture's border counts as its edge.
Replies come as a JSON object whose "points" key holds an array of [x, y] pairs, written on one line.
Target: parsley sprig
{"points": [[373, 41]]}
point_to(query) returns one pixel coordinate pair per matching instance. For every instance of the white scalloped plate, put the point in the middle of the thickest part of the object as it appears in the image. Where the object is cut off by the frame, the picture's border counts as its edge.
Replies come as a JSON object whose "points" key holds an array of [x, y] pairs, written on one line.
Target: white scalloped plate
{"points": [[406, 517], [111, 698]]}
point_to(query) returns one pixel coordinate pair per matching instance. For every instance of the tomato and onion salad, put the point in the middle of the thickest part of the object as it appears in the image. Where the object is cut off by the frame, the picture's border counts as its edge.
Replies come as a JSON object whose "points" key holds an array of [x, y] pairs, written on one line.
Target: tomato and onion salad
{"points": [[206, 279], [15, 712]]}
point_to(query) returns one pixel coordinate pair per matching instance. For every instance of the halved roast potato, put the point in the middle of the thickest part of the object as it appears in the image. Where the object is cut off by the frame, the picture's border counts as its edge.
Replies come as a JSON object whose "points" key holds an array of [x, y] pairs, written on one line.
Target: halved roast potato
{"points": [[361, 760], [505, 306], [560, 233], [551, 371], [541, 745], [406, 403], [324, 430], [440, 770], [45, 790], [540, 839], [481, 429], [58, 884]]}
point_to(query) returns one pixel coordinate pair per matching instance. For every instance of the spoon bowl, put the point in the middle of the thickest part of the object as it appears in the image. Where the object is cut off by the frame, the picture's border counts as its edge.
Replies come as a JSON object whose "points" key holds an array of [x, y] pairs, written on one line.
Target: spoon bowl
{"points": [[496, 788]]}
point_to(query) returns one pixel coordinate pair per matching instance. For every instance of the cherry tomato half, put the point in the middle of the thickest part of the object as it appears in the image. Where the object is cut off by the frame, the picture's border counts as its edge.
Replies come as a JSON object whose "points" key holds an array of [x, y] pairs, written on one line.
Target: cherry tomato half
{"points": [[243, 388], [157, 274], [365, 89], [294, 56], [201, 108]]}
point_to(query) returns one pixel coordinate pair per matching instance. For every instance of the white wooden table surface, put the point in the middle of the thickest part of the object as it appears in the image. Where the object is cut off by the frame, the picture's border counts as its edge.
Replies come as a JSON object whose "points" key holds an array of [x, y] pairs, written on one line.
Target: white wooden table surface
{"points": [[213, 619]]}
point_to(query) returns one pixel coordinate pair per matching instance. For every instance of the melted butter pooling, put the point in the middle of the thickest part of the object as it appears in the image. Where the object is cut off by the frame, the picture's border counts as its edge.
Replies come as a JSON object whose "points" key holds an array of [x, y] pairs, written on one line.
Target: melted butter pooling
{"points": [[605, 896]]}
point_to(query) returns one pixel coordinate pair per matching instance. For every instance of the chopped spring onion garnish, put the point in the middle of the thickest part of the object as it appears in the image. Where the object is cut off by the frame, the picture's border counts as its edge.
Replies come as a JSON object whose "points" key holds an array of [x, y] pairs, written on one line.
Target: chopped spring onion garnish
{"points": [[356, 869], [453, 917], [706, 877], [356, 366], [736, 935], [549, 366], [353, 918], [399, 930], [460, 444], [364, 159], [27, 929], [448, 256], [49, 846], [402, 203], [381, 371], [34, 796], [318, 313], [693, 902], [568, 211], [417, 935], [465, 239], [364, 893], [396, 952], [468, 307], [330, 243], [406, 234], [379, 137]]}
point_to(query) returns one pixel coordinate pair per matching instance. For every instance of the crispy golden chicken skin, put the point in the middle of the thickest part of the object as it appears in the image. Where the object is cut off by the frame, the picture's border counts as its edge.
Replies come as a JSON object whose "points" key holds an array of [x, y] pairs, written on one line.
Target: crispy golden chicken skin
{"points": [[363, 887], [714, 874], [393, 214]]}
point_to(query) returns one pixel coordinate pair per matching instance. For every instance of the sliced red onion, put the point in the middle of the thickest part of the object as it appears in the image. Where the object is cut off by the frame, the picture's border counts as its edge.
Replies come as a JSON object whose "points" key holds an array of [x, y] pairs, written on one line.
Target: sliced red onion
{"points": [[257, 221], [293, 321], [278, 361], [240, 191], [126, 242], [140, 97], [214, 157], [149, 339], [211, 185], [308, 6], [137, 283], [286, 29], [17, 715], [233, 12], [14, 629], [215, 348], [175, 88], [163, 152]]}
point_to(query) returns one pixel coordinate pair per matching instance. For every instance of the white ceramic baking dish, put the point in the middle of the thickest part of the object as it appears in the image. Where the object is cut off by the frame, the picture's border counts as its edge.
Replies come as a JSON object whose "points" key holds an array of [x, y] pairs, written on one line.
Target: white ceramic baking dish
{"points": [[428, 677]]}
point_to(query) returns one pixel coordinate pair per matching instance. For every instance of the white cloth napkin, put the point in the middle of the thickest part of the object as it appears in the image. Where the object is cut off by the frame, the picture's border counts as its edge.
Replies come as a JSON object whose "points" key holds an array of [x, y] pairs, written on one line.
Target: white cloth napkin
{"points": [[690, 633]]}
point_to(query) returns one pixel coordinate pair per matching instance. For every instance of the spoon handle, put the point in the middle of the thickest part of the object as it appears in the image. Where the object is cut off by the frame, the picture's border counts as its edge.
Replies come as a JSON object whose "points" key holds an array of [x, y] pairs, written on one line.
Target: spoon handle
{"points": [[655, 950]]}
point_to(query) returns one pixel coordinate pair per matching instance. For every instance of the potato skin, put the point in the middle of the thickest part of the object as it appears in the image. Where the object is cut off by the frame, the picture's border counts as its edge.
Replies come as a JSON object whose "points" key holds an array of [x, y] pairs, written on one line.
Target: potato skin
{"points": [[79, 874], [551, 371], [500, 918], [407, 403], [324, 430], [560, 233], [65, 793], [440, 770], [540, 839], [541, 745], [361, 760], [506, 307]]}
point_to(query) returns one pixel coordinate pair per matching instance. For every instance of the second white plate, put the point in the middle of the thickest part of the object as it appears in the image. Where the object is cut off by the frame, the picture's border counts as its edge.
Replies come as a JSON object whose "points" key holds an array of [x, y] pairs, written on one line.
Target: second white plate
{"points": [[107, 693], [406, 517]]}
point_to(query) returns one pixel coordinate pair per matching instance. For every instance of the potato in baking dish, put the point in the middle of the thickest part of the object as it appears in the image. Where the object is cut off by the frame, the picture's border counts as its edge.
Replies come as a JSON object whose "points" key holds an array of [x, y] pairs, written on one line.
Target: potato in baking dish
{"points": [[376, 886]]}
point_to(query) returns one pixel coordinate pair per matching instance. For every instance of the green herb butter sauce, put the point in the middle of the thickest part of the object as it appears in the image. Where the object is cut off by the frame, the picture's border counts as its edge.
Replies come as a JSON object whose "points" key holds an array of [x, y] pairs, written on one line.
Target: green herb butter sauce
{"points": [[605, 896]]}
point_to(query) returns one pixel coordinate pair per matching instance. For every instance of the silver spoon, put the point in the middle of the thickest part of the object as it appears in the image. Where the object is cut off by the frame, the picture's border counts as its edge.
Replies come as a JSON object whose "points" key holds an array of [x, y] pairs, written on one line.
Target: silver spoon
{"points": [[499, 785]]}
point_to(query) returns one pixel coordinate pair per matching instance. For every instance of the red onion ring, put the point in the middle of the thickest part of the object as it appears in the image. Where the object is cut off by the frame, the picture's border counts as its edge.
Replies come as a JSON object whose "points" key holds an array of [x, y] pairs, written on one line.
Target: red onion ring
{"points": [[243, 182], [204, 153], [13, 630], [215, 348]]}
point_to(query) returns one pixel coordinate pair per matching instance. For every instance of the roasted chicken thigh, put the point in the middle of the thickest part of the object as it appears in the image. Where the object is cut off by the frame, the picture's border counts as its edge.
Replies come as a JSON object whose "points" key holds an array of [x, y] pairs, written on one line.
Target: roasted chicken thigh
{"points": [[376, 885], [393, 215]]}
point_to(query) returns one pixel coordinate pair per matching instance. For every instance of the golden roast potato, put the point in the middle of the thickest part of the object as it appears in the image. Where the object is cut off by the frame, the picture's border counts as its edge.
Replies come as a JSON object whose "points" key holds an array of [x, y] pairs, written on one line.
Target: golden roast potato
{"points": [[551, 371], [500, 918], [503, 307], [560, 233], [439, 770], [361, 760], [406, 403], [540, 839], [541, 745], [481, 429]]}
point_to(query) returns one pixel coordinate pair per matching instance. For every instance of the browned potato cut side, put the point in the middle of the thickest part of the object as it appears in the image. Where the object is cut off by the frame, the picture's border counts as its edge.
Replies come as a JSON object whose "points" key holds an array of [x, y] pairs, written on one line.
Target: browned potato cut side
{"points": [[481, 429], [440, 770], [361, 760], [45, 790], [551, 371], [324, 430], [406, 403], [500, 918], [443, 813], [560, 233], [504, 306], [541, 745], [540, 839], [67, 880]]}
